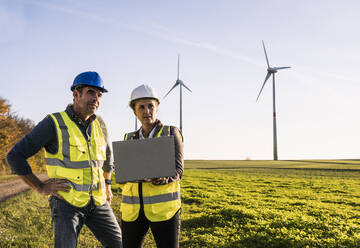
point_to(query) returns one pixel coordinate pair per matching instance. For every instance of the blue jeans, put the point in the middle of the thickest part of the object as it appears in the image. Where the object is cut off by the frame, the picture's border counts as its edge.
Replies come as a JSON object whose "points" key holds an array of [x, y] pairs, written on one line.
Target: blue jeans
{"points": [[67, 221]]}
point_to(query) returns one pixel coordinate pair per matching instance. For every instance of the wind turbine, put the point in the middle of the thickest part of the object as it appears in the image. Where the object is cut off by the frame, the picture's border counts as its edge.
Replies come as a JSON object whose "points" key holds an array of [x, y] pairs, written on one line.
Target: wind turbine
{"points": [[181, 84], [272, 71]]}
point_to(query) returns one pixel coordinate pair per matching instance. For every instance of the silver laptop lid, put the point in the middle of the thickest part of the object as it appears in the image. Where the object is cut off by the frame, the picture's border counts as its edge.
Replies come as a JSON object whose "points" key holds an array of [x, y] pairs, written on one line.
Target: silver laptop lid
{"points": [[144, 159]]}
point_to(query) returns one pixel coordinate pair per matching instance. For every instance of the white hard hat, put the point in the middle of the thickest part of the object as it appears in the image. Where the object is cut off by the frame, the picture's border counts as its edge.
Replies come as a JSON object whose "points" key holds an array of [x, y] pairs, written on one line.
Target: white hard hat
{"points": [[141, 92]]}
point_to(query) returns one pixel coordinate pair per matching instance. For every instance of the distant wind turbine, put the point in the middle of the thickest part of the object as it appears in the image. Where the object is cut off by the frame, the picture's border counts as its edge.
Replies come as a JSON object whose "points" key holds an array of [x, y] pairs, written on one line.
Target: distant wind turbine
{"points": [[272, 71], [181, 84]]}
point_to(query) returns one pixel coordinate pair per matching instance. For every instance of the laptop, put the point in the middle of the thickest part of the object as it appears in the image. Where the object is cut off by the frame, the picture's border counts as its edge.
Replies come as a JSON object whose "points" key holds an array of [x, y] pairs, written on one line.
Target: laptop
{"points": [[144, 159]]}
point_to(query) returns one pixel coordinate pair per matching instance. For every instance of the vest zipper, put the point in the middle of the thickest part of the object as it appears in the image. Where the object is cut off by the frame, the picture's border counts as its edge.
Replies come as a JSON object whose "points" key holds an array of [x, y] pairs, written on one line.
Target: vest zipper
{"points": [[91, 168]]}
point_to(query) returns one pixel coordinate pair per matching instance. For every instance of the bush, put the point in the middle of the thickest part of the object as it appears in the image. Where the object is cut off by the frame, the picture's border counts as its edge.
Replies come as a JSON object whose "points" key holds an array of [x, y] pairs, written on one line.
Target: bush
{"points": [[12, 129]]}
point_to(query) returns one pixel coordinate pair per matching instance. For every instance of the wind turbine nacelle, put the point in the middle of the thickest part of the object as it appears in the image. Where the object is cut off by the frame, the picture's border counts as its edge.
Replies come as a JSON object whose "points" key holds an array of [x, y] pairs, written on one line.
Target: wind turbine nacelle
{"points": [[178, 81], [272, 70]]}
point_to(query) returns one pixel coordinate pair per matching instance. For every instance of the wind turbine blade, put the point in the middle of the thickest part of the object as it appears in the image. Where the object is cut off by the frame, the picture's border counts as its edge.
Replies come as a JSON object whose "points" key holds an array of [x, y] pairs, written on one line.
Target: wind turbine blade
{"points": [[185, 86], [279, 68], [266, 78], [267, 60], [176, 84], [178, 67]]}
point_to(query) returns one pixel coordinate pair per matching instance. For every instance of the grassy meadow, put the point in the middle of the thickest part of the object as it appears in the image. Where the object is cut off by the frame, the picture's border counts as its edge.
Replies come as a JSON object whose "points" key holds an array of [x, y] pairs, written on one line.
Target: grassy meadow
{"points": [[232, 204]]}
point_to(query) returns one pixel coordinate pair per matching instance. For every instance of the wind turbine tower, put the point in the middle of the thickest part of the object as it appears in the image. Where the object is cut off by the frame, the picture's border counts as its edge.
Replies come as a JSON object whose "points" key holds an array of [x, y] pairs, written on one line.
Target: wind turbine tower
{"points": [[179, 83], [271, 72]]}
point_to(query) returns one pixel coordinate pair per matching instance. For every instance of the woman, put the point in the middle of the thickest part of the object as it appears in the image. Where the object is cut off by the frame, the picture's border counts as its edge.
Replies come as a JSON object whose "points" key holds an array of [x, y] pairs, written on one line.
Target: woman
{"points": [[153, 203]]}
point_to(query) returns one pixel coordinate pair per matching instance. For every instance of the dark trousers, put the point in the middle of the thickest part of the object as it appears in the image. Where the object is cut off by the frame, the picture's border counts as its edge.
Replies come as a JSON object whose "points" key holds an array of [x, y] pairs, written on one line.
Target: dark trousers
{"points": [[166, 233], [68, 220]]}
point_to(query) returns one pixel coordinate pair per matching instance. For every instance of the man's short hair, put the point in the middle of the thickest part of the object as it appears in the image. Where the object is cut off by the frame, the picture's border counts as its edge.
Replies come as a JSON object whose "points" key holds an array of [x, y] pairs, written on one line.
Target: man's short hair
{"points": [[79, 88]]}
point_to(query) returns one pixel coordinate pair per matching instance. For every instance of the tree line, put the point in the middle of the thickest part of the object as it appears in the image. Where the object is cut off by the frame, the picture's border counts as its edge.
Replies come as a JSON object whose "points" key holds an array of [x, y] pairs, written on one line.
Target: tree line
{"points": [[12, 129]]}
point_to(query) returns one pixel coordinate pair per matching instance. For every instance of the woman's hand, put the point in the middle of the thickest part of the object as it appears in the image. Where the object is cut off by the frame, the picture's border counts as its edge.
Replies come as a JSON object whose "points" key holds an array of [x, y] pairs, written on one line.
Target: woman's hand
{"points": [[159, 181]]}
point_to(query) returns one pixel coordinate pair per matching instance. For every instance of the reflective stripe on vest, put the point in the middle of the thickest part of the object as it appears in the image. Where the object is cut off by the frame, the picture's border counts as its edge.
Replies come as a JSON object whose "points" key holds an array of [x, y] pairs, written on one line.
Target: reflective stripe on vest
{"points": [[83, 187], [78, 161], [65, 138], [164, 131], [72, 165], [152, 199]]}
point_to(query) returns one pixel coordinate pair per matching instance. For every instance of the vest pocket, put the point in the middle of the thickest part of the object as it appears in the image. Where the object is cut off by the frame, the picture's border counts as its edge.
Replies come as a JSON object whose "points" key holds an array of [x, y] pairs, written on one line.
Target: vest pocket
{"points": [[78, 152], [74, 175]]}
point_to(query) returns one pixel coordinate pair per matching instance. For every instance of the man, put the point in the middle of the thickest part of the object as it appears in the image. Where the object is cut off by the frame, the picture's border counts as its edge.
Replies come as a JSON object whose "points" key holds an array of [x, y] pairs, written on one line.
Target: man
{"points": [[79, 163]]}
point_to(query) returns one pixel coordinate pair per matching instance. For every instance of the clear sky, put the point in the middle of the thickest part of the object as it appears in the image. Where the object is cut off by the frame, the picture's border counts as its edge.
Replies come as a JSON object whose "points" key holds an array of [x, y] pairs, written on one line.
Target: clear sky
{"points": [[44, 44]]}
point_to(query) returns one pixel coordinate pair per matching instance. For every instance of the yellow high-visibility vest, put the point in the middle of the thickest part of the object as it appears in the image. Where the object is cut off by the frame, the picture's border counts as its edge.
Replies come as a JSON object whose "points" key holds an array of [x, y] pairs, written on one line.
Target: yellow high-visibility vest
{"points": [[161, 202], [78, 160]]}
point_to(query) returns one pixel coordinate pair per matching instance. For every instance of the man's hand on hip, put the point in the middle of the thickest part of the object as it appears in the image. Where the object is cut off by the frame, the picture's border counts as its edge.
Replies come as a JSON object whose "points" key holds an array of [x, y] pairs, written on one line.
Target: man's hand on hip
{"points": [[51, 187]]}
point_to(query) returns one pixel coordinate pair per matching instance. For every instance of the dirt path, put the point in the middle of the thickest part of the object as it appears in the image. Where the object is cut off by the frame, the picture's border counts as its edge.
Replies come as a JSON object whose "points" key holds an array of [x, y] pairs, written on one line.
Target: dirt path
{"points": [[15, 187]]}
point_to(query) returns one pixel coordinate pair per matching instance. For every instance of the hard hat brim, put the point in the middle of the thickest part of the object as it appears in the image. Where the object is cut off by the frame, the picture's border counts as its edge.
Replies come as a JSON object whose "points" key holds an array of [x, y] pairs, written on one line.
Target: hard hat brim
{"points": [[132, 102], [88, 85]]}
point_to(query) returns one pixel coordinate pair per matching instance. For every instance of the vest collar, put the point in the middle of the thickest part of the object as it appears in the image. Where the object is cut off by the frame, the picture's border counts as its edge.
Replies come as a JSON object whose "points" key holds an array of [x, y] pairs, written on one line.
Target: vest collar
{"points": [[154, 131], [141, 135]]}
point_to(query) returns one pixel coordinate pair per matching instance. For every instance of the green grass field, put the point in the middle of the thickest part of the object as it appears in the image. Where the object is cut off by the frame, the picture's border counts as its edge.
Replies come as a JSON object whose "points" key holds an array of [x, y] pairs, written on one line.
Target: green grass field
{"points": [[345, 164], [232, 204]]}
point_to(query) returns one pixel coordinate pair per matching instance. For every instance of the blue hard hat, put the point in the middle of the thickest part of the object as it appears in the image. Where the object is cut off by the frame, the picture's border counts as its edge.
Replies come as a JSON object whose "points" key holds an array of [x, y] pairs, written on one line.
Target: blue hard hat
{"points": [[88, 78]]}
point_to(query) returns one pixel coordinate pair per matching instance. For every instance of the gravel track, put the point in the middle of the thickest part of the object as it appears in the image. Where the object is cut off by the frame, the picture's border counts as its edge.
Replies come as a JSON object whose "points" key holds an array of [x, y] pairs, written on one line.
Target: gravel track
{"points": [[16, 186]]}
